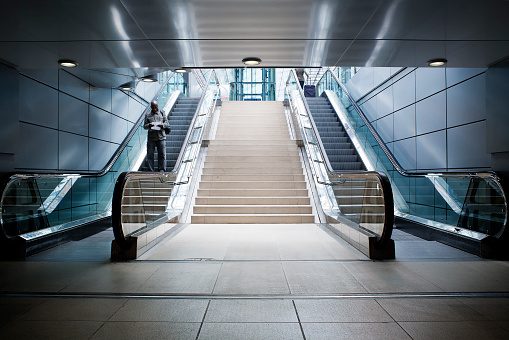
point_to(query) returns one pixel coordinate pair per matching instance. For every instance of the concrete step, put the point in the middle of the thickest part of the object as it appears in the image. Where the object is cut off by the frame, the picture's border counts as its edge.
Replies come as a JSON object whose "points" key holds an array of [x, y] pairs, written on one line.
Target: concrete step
{"points": [[252, 165], [253, 192], [296, 200], [247, 149], [255, 152], [252, 178], [248, 158], [254, 171], [252, 185], [252, 209], [252, 219], [250, 142]]}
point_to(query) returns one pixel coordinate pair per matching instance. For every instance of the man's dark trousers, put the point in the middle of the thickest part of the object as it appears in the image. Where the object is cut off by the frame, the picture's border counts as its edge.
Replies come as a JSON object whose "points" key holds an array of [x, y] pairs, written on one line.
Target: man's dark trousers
{"points": [[161, 154]]}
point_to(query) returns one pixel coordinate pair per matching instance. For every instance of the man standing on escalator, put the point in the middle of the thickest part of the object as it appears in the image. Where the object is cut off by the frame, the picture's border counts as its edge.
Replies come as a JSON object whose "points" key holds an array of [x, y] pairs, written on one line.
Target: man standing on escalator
{"points": [[156, 123]]}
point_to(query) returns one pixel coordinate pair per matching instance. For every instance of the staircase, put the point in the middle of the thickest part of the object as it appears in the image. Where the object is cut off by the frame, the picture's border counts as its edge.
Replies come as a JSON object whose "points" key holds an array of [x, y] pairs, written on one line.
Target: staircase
{"points": [[338, 146], [179, 118], [252, 172]]}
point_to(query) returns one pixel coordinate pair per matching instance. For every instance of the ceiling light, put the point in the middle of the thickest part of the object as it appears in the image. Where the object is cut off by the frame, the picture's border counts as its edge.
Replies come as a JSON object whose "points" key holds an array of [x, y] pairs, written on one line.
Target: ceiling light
{"points": [[67, 63], [149, 79], [251, 61], [128, 86], [181, 70], [437, 62]]}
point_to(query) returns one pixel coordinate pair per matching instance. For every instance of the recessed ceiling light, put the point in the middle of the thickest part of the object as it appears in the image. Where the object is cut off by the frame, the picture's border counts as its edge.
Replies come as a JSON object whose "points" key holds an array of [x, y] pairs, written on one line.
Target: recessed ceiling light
{"points": [[149, 79], [67, 63], [437, 62], [181, 70], [251, 61]]}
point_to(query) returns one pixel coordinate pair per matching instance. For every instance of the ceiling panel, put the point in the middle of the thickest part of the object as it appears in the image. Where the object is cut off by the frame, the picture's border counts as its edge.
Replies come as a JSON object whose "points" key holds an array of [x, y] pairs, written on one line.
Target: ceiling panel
{"points": [[440, 20], [88, 54], [465, 54], [66, 20], [161, 34]]}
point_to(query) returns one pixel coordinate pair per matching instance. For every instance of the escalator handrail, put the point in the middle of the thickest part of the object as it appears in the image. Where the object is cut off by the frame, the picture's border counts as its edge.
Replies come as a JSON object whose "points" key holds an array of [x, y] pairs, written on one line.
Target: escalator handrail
{"points": [[420, 174], [382, 178], [124, 177], [315, 129]]}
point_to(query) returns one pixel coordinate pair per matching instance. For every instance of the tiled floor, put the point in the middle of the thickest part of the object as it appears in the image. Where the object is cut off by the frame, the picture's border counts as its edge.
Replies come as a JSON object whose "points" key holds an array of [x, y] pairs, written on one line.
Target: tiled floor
{"points": [[254, 282]]}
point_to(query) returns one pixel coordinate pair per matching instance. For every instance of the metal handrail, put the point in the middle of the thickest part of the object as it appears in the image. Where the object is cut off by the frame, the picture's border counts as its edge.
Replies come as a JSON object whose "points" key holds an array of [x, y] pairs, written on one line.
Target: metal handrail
{"points": [[421, 174], [124, 177]]}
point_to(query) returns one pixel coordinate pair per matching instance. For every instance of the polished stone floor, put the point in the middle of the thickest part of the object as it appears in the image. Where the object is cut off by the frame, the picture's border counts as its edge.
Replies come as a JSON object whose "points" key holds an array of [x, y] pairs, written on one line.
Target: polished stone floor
{"points": [[294, 281]]}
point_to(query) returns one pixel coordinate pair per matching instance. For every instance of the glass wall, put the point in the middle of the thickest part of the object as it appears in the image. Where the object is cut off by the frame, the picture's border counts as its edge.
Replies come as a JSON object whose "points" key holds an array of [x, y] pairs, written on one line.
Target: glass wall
{"points": [[257, 84]]}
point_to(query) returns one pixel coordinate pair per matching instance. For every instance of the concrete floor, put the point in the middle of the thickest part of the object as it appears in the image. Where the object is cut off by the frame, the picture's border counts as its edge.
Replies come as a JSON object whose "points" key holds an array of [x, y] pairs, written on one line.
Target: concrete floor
{"points": [[293, 281]]}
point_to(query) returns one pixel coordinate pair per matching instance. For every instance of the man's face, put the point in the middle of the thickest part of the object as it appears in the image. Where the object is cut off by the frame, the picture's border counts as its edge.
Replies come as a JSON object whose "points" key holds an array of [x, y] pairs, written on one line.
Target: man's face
{"points": [[154, 107]]}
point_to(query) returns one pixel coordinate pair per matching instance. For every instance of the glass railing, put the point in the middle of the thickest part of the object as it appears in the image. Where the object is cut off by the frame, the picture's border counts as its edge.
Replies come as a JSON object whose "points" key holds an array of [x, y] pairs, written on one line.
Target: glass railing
{"points": [[33, 205], [141, 200], [470, 204], [360, 199]]}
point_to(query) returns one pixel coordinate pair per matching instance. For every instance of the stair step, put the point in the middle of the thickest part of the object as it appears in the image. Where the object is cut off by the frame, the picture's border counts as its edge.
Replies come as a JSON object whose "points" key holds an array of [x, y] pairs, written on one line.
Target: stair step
{"points": [[252, 219], [252, 185], [252, 209], [253, 192], [225, 200]]}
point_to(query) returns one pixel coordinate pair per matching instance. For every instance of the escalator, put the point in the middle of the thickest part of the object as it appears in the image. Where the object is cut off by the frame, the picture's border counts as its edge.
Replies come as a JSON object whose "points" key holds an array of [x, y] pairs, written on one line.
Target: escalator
{"points": [[466, 210], [338, 146], [39, 211], [353, 202]]}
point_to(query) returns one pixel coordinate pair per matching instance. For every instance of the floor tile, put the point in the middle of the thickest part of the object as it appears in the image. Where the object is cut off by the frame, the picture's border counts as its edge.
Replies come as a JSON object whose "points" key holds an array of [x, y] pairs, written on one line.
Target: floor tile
{"points": [[304, 251], [75, 309], [205, 233], [147, 331], [354, 331], [491, 308], [496, 273], [170, 310], [250, 331], [458, 276], [504, 324], [12, 308], [251, 311], [252, 251], [343, 251], [468, 330], [345, 310], [191, 278], [163, 251], [320, 277], [254, 233], [429, 310], [51, 330], [43, 276], [421, 249], [388, 277], [196, 250], [251, 278], [114, 277]]}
